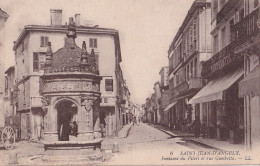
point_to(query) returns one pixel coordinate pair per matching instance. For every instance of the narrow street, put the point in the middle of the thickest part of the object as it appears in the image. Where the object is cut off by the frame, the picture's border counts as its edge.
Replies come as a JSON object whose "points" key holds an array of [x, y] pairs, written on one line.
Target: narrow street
{"points": [[148, 145]]}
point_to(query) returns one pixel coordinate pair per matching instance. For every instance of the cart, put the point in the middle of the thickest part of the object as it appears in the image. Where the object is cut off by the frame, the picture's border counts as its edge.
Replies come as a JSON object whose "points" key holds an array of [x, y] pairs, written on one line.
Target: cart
{"points": [[7, 136], [7, 133]]}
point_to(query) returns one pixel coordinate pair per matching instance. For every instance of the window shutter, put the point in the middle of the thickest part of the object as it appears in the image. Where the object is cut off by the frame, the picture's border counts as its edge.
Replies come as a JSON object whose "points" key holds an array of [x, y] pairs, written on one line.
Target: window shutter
{"points": [[35, 62], [42, 41], [95, 43], [46, 41]]}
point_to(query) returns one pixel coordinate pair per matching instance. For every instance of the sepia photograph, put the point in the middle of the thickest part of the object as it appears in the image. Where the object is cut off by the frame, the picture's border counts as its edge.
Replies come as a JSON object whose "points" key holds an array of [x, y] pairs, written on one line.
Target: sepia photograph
{"points": [[129, 82]]}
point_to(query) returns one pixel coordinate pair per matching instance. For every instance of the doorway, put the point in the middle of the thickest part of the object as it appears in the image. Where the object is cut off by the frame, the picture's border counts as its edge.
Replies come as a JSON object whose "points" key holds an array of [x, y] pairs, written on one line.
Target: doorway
{"points": [[66, 111]]}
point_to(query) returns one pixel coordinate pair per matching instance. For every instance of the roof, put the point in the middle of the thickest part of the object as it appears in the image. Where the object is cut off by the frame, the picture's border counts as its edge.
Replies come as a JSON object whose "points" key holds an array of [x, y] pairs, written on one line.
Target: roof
{"points": [[63, 29], [70, 58], [195, 5], [10, 69]]}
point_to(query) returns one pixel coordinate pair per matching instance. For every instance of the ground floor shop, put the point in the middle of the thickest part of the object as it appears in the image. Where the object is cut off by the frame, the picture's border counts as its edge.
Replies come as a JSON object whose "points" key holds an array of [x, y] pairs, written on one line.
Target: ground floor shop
{"points": [[220, 109], [249, 91]]}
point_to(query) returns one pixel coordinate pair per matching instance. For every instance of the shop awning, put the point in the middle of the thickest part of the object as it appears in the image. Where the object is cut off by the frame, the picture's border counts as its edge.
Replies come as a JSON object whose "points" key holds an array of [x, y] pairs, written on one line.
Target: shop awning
{"points": [[250, 85], [214, 88], [169, 106]]}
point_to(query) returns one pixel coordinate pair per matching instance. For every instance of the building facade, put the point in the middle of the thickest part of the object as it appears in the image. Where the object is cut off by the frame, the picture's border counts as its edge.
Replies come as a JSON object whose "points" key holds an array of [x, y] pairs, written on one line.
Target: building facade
{"points": [[188, 50], [3, 17], [246, 34], [157, 96], [164, 100], [222, 111], [30, 56]]}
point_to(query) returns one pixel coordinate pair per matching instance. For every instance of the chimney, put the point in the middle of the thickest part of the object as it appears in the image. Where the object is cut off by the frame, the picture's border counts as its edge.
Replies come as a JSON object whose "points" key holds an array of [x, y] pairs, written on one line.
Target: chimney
{"points": [[56, 16], [77, 19]]}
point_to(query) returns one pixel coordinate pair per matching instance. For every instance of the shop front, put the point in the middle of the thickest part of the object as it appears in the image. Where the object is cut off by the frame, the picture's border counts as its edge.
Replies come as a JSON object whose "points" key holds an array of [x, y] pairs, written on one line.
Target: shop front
{"points": [[221, 110], [249, 91]]}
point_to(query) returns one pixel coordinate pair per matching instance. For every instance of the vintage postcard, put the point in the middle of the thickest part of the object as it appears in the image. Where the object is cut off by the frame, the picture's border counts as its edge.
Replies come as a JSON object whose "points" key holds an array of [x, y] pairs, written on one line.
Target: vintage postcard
{"points": [[129, 82]]}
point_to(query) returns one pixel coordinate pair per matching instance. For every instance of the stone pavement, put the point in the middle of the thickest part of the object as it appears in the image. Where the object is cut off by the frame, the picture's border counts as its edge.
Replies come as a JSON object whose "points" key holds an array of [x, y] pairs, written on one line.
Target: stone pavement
{"points": [[107, 143], [221, 145], [123, 133], [26, 149]]}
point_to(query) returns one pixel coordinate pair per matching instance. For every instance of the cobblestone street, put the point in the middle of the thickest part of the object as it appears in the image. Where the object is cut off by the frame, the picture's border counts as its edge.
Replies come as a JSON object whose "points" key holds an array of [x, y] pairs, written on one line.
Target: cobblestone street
{"points": [[148, 145]]}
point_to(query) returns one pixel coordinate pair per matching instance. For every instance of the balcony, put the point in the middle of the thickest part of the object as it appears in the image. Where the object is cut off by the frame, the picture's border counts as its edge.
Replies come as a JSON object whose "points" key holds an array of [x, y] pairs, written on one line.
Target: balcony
{"points": [[245, 29], [225, 10], [195, 82], [182, 87], [36, 102], [218, 61]]}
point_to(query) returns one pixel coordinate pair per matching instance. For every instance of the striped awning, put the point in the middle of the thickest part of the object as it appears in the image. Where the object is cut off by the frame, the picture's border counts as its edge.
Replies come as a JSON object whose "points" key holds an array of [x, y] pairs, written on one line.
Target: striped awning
{"points": [[214, 88], [169, 106], [250, 85]]}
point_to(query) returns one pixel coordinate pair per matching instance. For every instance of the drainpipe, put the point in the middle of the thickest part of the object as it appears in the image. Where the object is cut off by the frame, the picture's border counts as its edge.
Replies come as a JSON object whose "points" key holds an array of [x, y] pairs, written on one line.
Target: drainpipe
{"points": [[248, 109]]}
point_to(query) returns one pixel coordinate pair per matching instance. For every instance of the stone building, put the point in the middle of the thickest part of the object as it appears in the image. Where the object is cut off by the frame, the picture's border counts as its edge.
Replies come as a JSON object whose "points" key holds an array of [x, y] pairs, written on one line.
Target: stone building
{"points": [[3, 17], [9, 100], [247, 38], [233, 24], [157, 96], [188, 50], [30, 56], [164, 100]]}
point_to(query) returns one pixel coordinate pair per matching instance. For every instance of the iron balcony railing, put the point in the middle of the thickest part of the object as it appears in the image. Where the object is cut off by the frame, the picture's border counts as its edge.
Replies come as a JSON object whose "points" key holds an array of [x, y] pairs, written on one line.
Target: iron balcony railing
{"points": [[245, 29]]}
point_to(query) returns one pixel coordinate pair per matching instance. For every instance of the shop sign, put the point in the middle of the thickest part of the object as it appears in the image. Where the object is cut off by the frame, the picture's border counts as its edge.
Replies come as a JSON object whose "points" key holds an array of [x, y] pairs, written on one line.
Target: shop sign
{"points": [[108, 101]]}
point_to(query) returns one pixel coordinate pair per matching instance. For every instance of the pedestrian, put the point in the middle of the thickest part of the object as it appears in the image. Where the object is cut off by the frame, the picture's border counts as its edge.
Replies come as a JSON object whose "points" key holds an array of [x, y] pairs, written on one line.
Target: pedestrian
{"points": [[74, 129], [196, 127]]}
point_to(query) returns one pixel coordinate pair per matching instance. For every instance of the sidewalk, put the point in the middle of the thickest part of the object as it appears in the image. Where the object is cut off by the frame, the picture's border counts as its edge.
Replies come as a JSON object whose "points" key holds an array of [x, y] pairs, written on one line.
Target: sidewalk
{"points": [[107, 143], [220, 145], [123, 133]]}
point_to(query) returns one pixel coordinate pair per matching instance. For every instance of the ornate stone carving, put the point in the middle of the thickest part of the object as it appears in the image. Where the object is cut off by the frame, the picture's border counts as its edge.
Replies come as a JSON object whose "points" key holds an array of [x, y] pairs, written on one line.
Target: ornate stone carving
{"points": [[46, 101], [69, 86]]}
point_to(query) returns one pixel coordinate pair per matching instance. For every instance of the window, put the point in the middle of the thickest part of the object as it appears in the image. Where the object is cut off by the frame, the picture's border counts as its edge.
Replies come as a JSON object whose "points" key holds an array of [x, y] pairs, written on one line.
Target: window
{"points": [[256, 3], [191, 69], [109, 84], [44, 41], [231, 23], [93, 43], [241, 14], [177, 79], [195, 67], [187, 42], [35, 62], [191, 37], [185, 70], [22, 46], [41, 61], [224, 37], [215, 44], [188, 73], [194, 32], [184, 44]]}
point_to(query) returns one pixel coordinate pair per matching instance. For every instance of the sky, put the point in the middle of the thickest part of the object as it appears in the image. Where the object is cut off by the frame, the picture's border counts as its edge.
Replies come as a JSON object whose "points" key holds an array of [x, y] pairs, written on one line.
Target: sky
{"points": [[146, 30]]}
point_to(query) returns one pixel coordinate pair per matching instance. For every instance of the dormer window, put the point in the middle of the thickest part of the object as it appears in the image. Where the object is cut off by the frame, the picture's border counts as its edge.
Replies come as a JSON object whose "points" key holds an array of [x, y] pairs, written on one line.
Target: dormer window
{"points": [[93, 43], [44, 41]]}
